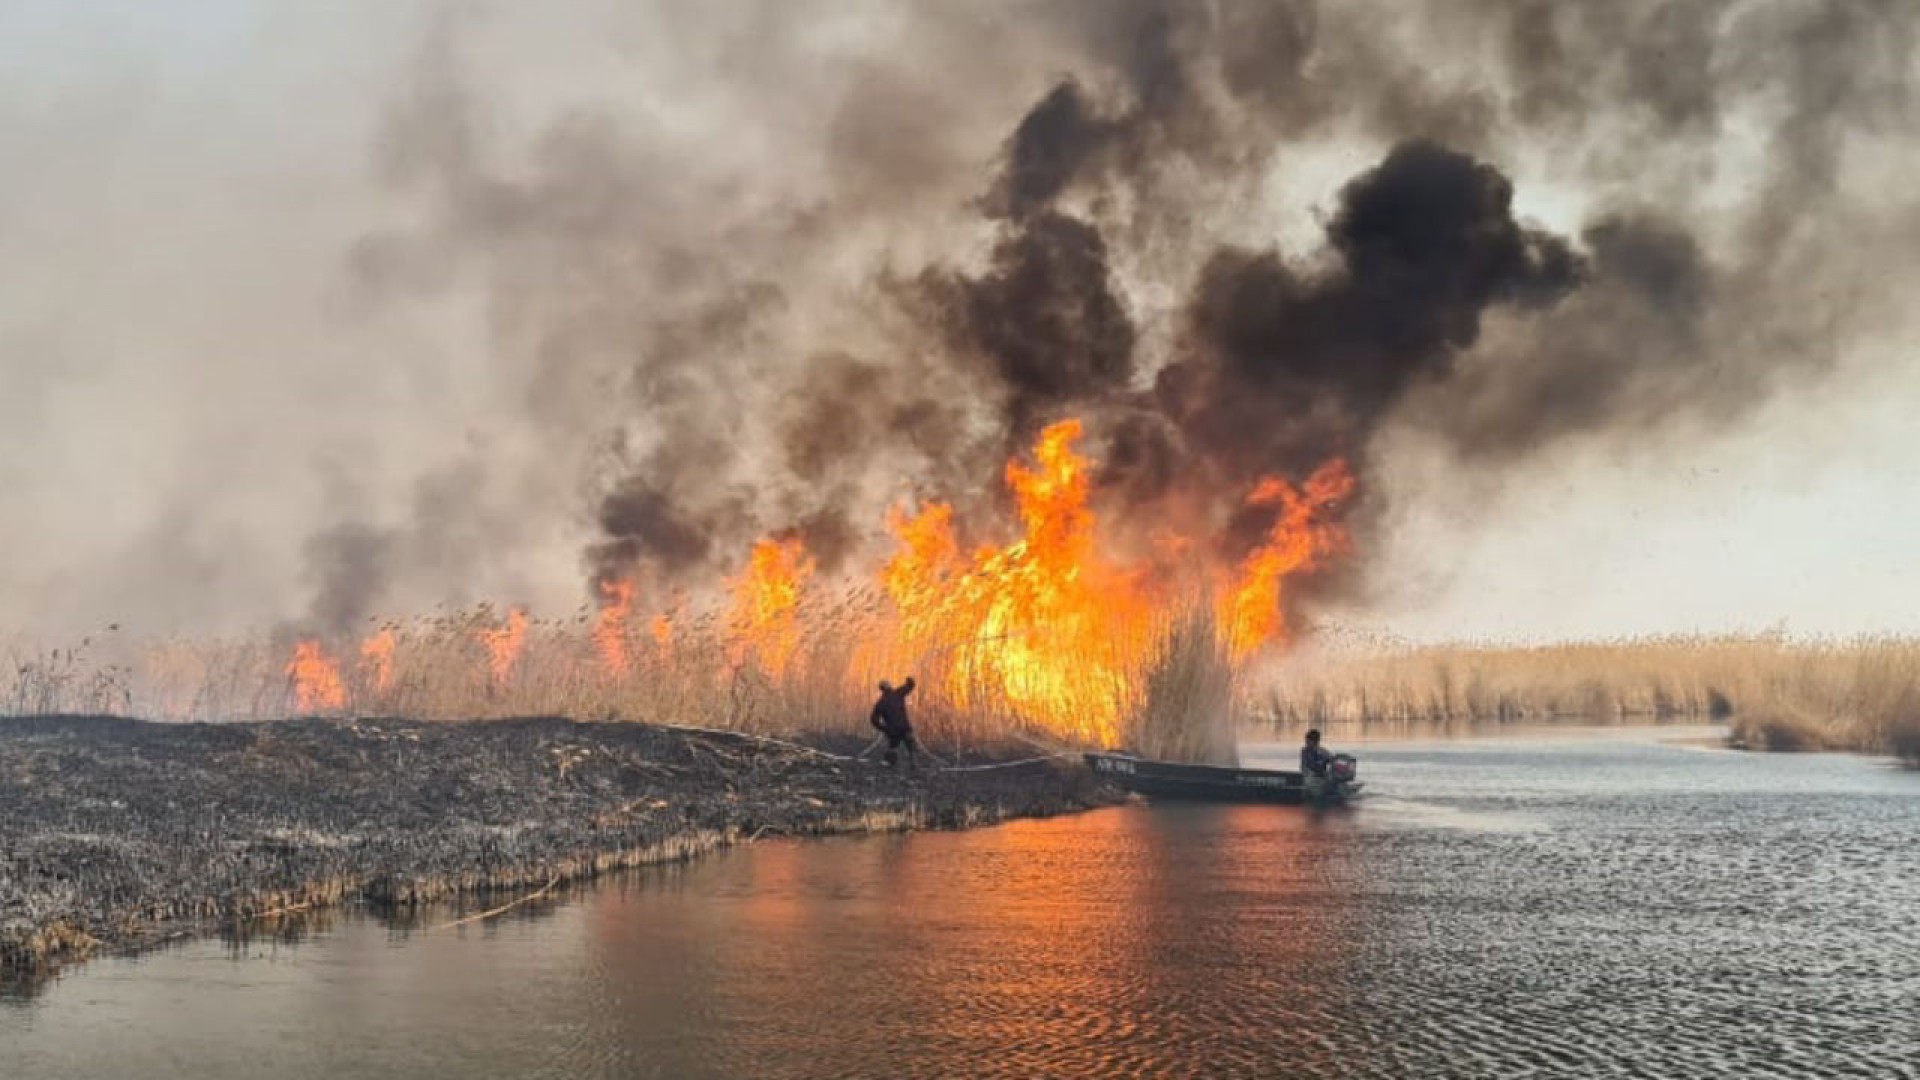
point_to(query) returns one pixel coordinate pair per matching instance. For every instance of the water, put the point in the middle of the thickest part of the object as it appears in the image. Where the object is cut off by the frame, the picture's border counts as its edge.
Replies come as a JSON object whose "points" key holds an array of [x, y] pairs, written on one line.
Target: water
{"points": [[1594, 904]]}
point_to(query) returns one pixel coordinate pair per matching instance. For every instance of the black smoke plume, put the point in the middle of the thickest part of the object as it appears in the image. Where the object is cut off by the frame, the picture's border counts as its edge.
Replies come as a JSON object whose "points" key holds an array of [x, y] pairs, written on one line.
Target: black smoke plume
{"points": [[1282, 369], [727, 362], [1281, 359]]}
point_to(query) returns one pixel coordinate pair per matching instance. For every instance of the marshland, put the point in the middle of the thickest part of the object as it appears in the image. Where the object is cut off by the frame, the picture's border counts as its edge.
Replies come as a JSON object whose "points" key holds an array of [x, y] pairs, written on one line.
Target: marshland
{"points": [[167, 792], [121, 834], [1597, 899], [1773, 692], [466, 470]]}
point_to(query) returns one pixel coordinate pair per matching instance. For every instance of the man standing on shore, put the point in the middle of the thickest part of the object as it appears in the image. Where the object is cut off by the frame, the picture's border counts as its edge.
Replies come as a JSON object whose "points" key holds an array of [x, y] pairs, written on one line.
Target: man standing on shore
{"points": [[889, 717]]}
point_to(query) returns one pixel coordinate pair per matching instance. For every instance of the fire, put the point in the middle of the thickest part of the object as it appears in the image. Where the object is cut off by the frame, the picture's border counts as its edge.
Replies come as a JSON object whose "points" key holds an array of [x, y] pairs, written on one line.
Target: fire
{"points": [[1251, 610], [927, 563], [610, 628], [766, 603], [1052, 628], [1046, 626], [316, 681], [376, 660], [504, 644]]}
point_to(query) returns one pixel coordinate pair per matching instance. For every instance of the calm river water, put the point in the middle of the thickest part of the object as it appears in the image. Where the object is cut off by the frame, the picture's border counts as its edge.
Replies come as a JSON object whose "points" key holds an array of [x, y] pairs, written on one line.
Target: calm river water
{"points": [[1590, 903]]}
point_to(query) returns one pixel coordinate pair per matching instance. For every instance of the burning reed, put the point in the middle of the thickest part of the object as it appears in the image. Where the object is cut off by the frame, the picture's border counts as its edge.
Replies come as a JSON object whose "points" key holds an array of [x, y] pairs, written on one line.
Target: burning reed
{"points": [[1058, 635]]}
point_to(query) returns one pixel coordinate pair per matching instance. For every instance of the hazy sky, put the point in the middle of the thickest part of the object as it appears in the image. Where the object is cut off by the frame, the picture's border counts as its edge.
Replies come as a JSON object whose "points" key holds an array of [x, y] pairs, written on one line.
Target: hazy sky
{"points": [[271, 307], [1805, 519]]}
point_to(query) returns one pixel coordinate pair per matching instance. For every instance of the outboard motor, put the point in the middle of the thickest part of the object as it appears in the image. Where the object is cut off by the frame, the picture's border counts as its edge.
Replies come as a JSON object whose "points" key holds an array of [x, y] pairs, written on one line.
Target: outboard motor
{"points": [[1337, 784]]}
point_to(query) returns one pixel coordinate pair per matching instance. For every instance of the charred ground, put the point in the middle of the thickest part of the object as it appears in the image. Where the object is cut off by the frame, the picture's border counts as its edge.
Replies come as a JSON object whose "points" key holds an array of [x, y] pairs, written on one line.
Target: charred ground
{"points": [[119, 834]]}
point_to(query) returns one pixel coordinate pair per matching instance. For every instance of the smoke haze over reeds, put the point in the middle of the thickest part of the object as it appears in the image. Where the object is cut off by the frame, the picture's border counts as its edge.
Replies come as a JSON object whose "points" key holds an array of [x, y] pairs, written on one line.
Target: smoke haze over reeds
{"points": [[314, 314]]}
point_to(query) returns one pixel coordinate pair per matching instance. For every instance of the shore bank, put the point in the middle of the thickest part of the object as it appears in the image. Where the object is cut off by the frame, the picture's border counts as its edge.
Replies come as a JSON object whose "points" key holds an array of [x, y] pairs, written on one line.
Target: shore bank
{"points": [[115, 834]]}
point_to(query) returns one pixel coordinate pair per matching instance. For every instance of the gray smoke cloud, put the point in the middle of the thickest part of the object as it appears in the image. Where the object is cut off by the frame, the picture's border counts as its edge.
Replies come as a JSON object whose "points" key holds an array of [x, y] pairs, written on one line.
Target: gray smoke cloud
{"points": [[542, 298]]}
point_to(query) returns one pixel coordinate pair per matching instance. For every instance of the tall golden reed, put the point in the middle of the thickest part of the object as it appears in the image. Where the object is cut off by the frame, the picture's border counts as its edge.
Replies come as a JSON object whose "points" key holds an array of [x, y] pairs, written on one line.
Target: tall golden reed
{"points": [[1775, 692], [1177, 699]]}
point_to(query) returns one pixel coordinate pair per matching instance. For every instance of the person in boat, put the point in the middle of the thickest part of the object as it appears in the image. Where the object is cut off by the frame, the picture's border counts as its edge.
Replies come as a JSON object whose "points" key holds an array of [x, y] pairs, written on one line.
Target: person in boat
{"points": [[1314, 758], [889, 718]]}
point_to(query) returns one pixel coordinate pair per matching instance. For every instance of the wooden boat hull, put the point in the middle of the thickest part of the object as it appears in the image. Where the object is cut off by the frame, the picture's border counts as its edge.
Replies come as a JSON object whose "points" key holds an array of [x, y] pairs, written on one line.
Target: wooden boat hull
{"points": [[1215, 783]]}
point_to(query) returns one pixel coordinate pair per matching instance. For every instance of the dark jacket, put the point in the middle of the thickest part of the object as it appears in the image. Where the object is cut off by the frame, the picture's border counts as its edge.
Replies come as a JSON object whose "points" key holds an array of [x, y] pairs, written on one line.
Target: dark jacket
{"points": [[1314, 759], [890, 712]]}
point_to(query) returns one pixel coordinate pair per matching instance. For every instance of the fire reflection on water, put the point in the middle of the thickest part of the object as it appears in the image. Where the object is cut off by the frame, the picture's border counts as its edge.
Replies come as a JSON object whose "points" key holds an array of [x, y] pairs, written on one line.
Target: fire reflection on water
{"points": [[1027, 948], [1175, 941]]}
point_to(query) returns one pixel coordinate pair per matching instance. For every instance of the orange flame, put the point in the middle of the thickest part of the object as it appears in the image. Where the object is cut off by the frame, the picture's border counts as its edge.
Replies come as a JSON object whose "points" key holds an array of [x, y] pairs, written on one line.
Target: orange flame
{"points": [[926, 564], [1251, 609], [1045, 626], [376, 660], [316, 681], [504, 644], [610, 629], [766, 603], [1050, 628]]}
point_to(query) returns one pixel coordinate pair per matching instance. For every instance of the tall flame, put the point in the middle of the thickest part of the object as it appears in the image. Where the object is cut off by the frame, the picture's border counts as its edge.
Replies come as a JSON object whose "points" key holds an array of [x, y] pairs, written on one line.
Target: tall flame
{"points": [[1045, 626], [927, 562], [1252, 611], [766, 603], [1049, 628], [661, 629], [610, 628], [376, 660], [504, 644], [316, 681]]}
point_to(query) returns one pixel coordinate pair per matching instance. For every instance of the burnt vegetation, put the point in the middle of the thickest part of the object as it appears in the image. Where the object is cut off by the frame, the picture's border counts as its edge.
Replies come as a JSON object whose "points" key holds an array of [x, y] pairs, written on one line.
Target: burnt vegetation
{"points": [[122, 834]]}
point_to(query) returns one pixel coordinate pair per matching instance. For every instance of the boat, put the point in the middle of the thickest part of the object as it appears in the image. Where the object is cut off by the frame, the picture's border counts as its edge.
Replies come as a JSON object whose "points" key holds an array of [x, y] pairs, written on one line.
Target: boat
{"points": [[1219, 783]]}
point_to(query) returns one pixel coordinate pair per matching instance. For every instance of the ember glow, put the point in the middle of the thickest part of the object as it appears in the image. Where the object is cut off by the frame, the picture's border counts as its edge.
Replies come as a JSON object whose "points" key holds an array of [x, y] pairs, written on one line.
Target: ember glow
{"points": [[1050, 629]]}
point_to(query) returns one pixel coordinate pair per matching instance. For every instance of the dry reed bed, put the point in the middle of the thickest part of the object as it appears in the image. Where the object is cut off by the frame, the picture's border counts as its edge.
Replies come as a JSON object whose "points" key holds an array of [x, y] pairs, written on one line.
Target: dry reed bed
{"points": [[117, 832], [1175, 696], [122, 831], [1777, 693]]}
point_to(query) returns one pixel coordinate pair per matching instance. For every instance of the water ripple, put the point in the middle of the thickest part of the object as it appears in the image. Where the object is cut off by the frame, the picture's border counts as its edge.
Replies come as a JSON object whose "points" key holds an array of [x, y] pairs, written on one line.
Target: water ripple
{"points": [[1587, 910]]}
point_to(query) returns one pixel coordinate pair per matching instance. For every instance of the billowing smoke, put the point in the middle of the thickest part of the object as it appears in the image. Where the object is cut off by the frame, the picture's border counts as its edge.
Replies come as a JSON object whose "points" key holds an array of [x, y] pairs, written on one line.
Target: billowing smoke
{"points": [[618, 291], [1044, 322], [1283, 368]]}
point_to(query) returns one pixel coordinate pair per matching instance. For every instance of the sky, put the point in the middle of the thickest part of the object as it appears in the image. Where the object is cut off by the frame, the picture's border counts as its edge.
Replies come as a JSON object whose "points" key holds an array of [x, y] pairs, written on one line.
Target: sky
{"points": [[308, 312], [1804, 522]]}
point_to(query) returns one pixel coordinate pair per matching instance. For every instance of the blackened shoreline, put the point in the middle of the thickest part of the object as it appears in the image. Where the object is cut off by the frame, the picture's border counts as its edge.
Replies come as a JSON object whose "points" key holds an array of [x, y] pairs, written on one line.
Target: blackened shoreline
{"points": [[116, 834]]}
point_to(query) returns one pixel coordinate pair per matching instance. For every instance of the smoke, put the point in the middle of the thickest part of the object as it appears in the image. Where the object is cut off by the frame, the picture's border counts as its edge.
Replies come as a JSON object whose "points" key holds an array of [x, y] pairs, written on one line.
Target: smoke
{"points": [[1043, 322], [1051, 144], [1426, 242], [544, 298]]}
